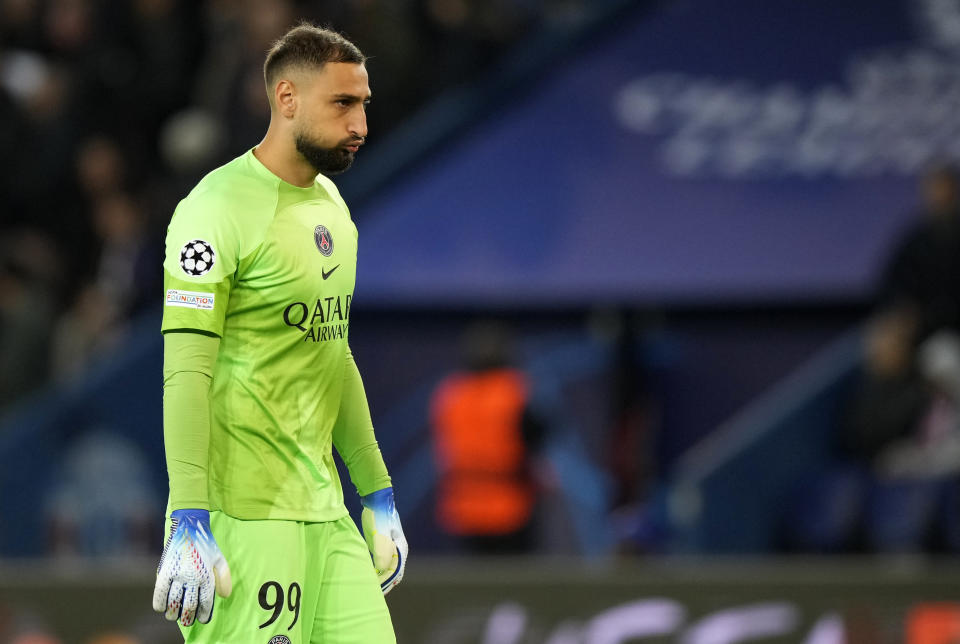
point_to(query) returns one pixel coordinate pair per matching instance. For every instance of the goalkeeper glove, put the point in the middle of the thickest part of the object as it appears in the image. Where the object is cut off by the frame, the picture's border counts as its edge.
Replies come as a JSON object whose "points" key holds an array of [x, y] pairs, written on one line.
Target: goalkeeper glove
{"points": [[191, 569], [384, 537]]}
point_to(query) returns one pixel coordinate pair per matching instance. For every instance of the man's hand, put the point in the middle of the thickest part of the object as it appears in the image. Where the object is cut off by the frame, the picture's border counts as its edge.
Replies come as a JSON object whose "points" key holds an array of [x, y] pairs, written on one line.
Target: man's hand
{"points": [[384, 537], [191, 569]]}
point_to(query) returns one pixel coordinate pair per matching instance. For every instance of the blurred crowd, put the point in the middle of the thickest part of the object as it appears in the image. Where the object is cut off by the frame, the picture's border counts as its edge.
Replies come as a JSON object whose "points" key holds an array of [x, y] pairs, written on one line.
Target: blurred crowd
{"points": [[903, 422], [895, 486], [110, 112]]}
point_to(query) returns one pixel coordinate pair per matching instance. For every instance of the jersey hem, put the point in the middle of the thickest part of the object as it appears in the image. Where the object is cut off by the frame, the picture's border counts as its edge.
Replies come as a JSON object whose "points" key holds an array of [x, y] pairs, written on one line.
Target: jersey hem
{"points": [[257, 514]]}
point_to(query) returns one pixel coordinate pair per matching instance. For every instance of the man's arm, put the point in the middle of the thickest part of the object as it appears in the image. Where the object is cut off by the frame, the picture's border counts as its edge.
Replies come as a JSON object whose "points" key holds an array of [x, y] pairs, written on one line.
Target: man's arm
{"points": [[185, 592], [203, 247], [188, 359], [354, 439], [353, 435]]}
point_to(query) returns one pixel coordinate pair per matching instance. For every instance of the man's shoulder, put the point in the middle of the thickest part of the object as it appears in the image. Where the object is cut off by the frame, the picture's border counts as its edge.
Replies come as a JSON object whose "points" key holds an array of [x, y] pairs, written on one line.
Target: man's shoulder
{"points": [[331, 188], [233, 190], [230, 207]]}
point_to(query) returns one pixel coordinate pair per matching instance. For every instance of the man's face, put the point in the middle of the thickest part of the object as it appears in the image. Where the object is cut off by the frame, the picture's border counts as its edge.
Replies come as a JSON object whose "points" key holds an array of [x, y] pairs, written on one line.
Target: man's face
{"points": [[940, 193], [331, 121]]}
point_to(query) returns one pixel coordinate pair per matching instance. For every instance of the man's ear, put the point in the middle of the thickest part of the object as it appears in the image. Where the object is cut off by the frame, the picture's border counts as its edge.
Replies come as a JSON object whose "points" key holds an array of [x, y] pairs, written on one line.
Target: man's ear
{"points": [[285, 98]]}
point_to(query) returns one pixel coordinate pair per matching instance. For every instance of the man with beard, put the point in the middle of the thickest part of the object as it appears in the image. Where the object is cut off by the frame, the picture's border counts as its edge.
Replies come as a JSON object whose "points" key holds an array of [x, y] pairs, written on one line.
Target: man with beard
{"points": [[260, 383]]}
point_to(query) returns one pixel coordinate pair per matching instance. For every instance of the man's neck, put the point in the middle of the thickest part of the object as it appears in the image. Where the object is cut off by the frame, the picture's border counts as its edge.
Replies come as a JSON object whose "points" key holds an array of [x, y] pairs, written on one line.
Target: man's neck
{"points": [[277, 154]]}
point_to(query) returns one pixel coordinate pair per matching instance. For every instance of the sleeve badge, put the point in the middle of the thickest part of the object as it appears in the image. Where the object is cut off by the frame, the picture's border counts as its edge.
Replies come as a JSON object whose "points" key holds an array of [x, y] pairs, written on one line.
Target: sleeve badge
{"points": [[197, 257]]}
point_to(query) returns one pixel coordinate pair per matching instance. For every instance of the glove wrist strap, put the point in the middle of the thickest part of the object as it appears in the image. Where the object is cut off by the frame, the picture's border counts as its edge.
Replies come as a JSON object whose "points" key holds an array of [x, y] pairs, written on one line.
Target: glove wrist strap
{"points": [[379, 499], [199, 516]]}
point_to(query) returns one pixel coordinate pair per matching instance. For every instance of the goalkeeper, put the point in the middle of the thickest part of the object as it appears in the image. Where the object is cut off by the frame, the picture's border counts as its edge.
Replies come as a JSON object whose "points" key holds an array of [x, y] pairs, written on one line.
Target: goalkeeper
{"points": [[260, 383]]}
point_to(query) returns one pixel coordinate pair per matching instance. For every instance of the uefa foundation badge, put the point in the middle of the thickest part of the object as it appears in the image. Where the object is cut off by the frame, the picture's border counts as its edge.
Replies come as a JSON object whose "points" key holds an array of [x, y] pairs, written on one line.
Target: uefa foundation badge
{"points": [[323, 240]]}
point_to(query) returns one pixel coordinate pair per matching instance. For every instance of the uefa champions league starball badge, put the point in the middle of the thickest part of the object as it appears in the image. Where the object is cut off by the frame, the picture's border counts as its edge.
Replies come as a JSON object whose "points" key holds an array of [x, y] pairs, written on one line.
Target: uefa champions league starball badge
{"points": [[197, 257], [324, 240]]}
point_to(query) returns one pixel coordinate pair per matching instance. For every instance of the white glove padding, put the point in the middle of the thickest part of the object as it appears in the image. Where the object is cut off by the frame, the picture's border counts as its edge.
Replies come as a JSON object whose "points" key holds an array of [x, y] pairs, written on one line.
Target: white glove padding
{"points": [[191, 569], [384, 537]]}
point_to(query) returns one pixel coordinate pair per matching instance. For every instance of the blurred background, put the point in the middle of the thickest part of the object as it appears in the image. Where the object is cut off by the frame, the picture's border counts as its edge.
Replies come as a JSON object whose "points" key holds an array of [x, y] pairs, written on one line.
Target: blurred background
{"points": [[657, 308]]}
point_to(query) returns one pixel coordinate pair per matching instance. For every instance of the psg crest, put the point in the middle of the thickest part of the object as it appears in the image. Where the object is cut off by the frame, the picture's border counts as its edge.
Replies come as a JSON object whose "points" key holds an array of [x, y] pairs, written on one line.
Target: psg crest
{"points": [[323, 240], [197, 257]]}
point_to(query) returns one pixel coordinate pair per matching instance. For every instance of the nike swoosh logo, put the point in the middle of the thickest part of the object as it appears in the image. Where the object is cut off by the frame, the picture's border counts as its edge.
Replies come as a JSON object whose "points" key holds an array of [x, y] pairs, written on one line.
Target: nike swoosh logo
{"points": [[327, 274]]}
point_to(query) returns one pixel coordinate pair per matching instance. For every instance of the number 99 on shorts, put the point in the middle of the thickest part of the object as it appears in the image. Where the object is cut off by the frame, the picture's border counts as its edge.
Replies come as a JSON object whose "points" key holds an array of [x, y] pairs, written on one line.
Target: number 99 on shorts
{"points": [[276, 601]]}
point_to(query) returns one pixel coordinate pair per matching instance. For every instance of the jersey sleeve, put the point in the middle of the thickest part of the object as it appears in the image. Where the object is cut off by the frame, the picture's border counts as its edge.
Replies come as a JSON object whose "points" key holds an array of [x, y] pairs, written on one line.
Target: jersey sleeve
{"points": [[188, 360], [201, 257], [353, 435]]}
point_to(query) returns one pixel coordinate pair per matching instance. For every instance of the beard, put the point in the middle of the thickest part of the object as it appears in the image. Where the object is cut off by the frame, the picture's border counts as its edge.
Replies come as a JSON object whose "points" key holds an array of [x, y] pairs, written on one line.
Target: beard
{"points": [[326, 161]]}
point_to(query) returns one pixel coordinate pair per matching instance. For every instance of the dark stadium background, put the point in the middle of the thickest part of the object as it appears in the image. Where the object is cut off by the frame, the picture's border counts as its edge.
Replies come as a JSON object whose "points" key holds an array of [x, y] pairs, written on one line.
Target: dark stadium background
{"points": [[680, 209]]}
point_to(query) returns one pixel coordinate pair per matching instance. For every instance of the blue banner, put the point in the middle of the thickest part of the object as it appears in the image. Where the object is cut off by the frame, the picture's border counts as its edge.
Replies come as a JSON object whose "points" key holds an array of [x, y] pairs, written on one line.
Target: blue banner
{"points": [[751, 150]]}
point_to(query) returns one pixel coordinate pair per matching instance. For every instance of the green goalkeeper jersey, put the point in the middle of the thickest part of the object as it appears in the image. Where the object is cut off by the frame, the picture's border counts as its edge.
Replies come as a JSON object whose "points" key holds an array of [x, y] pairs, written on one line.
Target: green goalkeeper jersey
{"points": [[269, 267]]}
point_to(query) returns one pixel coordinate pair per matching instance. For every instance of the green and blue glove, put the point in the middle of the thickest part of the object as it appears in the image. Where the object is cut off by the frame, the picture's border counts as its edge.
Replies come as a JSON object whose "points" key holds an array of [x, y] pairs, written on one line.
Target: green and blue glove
{"points": [[384, 537], [192, 569]]}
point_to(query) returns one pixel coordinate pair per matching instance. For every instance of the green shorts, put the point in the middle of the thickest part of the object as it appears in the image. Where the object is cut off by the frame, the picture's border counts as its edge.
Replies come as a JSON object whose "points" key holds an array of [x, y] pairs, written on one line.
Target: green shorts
{"points": [[296, 583]]}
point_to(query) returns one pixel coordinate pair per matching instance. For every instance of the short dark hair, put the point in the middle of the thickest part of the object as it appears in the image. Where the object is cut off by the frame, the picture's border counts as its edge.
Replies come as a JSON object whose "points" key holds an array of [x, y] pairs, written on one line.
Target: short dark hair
{"points": [[309, 46]]}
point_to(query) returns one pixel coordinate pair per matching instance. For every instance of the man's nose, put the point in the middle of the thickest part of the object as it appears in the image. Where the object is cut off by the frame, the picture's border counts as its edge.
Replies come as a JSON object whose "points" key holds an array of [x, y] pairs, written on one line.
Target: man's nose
{"points": [[358, 124]]}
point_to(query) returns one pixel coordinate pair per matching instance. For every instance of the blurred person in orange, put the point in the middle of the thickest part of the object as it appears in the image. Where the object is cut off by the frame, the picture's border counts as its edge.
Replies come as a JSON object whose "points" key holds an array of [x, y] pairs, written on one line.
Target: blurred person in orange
{"points": [[933, 623], [485, 438]]}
